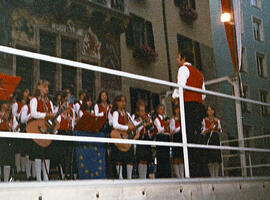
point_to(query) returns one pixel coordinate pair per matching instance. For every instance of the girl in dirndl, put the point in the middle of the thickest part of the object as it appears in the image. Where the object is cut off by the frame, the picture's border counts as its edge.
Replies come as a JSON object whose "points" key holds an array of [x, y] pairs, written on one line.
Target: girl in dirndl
{"points": [[178, 162], [211, 129]]}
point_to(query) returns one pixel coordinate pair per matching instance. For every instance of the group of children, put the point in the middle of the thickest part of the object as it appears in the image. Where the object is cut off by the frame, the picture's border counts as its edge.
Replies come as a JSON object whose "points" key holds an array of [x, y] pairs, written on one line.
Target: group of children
{"points": [[35, 161]]}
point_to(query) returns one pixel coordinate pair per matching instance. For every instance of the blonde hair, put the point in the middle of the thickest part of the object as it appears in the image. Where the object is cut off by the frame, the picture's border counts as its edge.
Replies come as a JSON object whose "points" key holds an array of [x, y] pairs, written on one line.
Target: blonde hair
{"points": [[40, 82]]}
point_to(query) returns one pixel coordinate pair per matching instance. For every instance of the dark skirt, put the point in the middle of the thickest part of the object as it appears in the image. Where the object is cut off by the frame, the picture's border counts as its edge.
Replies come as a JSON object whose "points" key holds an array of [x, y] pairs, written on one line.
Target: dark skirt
{"points": [[6, 151], [144, 152], [61, 149], [123, 157], [213, 155], [177, 151], [24, 146], [38, 152], [163, 158]]}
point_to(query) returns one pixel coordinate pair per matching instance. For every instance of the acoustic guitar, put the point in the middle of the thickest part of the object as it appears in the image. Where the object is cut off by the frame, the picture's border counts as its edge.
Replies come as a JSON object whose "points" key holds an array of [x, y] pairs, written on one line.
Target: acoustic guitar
{"points": [[125, 135], [45, 126]]}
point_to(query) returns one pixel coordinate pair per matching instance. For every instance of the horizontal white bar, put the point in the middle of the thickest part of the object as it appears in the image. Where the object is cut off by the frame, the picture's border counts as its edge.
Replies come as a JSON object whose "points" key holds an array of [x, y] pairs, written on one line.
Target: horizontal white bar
{"points": [[75, 64], [122, 141], [131, 182], [252, 166], [247, 138]]}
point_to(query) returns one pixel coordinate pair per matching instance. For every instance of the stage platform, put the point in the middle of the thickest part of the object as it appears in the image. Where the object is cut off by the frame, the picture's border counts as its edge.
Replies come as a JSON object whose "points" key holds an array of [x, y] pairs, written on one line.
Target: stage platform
{"points": [[158, 189]]}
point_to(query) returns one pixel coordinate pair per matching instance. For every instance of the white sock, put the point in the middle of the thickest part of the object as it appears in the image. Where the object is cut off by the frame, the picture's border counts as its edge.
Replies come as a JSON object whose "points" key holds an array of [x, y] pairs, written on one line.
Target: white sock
{"points": [[129, 171], [23, 164], [145, 170], [33, 169], [46, 169], [27, 167], [211, 169], [176, 169], [216, 168], [6, 173], [142, 171], [38, 169], [119, 171], [182, 170], [18, 162]]}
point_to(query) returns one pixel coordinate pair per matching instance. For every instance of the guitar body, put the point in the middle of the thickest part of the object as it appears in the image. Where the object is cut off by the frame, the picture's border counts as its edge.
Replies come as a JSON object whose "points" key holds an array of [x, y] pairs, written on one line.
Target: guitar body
{"points": [[39, 126], [121, 135]]}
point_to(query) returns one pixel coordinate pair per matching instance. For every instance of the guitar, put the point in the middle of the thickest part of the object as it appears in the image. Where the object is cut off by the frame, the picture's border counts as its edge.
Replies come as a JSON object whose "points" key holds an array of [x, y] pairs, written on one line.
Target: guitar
{"points": [[45, 126], [125, 135]]}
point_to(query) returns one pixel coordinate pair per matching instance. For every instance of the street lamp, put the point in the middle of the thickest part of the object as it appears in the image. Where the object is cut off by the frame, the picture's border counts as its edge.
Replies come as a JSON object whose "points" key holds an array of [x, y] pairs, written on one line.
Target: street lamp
{"points": [[226, 17]]}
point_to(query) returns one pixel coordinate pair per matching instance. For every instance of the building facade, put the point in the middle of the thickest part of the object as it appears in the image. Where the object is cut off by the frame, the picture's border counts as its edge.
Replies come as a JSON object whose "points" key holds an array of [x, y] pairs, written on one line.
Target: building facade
{"points": [[254, 73]]}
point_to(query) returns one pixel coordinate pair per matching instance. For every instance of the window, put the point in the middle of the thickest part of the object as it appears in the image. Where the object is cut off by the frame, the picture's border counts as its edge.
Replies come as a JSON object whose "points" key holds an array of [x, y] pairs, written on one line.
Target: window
{"points": [[244, 64], [24, 68], [256, 3], [47, 69], [151, 99], [139, 32], [185, 3], [88, 80], [246, 107], [187, 44], [257, 29], [261, 65], [265, 97], [69, 49]]}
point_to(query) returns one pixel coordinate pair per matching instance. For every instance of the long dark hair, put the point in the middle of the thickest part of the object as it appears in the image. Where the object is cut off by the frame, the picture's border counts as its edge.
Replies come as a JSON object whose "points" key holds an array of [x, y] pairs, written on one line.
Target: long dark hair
{"points": [[212, 107], [99, 97], [116, 99], [84, 105]]}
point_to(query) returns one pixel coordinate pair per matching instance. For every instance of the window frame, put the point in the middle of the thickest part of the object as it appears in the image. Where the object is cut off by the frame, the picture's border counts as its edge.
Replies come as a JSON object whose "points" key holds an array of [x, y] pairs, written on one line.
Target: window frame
{"points": [[265, 111], [145, 36], [263, 68], [261, 30]]}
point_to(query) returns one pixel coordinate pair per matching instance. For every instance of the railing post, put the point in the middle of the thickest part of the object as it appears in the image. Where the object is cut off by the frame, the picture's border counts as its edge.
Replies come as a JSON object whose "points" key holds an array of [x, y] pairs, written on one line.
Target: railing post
{"points": [[240, 127], [184, 131]]}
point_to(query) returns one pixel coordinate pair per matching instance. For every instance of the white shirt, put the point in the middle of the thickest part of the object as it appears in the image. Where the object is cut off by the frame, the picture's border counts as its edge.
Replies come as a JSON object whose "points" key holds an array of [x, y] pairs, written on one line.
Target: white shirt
{"points": [[121, 127], [24, 114], [158, 124], [173, 129], [77, 107], [34, 113], [182, 77]]}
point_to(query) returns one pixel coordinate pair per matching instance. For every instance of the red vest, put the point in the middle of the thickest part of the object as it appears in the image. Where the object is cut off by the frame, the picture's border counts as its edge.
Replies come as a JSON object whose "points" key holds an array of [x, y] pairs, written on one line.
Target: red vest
{"points": [[123, 120], [3, 122], [208, 123], [195, 79], [66, 120], [144, 131], [41, 106], [162, 123], [177, 123]]}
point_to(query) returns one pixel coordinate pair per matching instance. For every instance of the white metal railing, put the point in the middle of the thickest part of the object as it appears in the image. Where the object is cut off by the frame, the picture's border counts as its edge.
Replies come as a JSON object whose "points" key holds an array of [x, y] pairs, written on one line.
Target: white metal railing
{"points": [[185, 145], [251, 165]]}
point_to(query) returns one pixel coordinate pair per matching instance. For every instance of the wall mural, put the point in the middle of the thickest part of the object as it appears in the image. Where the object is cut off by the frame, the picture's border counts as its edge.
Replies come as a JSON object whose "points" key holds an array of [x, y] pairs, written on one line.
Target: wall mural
{"points": [[99, 39], [91, 45]]}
